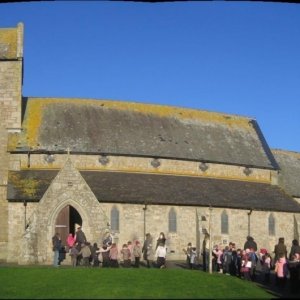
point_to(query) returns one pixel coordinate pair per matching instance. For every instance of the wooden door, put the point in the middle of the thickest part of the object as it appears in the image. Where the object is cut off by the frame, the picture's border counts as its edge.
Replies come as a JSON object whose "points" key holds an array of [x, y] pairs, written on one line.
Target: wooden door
{"points": [[62, 224]]}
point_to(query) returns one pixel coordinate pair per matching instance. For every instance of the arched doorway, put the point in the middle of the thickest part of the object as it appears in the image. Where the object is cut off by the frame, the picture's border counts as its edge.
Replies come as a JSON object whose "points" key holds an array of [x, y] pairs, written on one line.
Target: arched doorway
{"points": [[67, 221]]}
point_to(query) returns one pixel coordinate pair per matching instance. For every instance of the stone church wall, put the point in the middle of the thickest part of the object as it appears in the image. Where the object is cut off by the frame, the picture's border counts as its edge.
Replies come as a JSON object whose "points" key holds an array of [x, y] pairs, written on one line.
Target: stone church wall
{"points": [[133, 224], [132, 227]]}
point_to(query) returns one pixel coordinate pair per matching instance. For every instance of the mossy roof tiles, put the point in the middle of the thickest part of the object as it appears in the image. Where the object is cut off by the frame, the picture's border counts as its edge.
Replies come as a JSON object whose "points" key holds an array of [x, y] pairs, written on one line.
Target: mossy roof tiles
{"points": [[117, 187], [289, 174], [8, 43], [135, 129], [29, 185]]}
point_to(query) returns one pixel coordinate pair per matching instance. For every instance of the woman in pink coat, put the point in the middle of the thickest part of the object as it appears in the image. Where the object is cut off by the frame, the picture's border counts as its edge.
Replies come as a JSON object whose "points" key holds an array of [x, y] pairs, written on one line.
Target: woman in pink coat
{"points": [[70, 240]]}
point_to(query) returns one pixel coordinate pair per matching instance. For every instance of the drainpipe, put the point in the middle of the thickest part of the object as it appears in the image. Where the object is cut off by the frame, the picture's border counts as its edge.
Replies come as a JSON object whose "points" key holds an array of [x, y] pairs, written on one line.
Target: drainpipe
{"points": [[210, 240], [25, 217], [249, 215], [144, 209]]}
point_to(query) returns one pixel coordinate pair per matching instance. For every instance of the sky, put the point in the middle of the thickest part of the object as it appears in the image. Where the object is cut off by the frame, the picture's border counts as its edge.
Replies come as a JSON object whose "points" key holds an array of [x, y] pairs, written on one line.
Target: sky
{"points": [[239, 57]]}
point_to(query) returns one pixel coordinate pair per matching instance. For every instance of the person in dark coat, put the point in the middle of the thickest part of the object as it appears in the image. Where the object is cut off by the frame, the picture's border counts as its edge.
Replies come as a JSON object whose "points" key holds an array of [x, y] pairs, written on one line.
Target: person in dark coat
{"points": [[280, 249], [250, 243], [294, 269], [294, 249], [80, 237], [146, 250], [62, 254], [56, 246], [95, 255]]}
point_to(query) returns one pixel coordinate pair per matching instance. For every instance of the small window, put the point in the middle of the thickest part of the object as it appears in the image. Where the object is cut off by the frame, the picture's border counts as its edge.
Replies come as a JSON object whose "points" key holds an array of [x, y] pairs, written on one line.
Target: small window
{"points": [[271, 225], [224, 223], [114, 219], [172, 220]]}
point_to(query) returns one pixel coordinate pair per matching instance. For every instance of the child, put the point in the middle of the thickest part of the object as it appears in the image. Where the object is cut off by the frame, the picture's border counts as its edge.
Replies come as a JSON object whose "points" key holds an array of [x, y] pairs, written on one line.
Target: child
{"points": [[86, 253], [161, 253], [193, 258], [95, 255], [281, 271], [219, 255], [266, 266], [113, 255], [126, 256], [245, 268], [188, 251], [70, 241], [104, 252], [74, 253], [137, 253], [130, 247]]}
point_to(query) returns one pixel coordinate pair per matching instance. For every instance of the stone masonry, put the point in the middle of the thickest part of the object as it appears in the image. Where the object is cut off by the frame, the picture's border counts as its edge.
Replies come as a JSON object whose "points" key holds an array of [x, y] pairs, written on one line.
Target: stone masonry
{"points": [[10, 120]]}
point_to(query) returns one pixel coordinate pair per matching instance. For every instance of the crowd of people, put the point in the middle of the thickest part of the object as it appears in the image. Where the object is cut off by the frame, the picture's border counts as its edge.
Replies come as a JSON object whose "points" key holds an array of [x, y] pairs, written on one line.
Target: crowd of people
{"points": [[83, 253], [230, 259], [243, 262]]}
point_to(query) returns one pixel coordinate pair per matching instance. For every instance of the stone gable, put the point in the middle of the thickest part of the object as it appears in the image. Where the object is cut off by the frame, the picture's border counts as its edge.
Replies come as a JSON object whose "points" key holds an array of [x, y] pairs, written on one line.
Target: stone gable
{"points": [[67, 188]]}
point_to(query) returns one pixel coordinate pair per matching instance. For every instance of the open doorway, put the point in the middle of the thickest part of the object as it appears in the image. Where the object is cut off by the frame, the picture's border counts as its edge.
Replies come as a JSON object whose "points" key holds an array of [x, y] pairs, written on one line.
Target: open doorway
{"points": [[67, 221]]}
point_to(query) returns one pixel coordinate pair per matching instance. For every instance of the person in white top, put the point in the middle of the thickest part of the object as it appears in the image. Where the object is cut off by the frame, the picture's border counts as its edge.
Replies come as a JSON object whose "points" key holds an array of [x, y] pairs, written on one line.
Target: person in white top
{"points": [[161, 253]]}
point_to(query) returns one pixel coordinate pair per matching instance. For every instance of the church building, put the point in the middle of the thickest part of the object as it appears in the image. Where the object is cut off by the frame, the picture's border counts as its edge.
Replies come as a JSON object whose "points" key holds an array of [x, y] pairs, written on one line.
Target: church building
{"points": [[133, 168]]}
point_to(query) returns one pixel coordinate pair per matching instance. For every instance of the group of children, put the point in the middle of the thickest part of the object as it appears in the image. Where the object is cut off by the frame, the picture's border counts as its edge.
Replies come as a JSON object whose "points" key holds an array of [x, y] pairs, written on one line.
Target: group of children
{"points": [[243, 262], [130, 255]]}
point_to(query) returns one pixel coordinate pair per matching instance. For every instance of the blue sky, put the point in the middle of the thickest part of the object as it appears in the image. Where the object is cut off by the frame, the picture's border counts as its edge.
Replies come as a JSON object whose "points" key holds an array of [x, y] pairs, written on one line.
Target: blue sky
{"points": [[231, 57]]}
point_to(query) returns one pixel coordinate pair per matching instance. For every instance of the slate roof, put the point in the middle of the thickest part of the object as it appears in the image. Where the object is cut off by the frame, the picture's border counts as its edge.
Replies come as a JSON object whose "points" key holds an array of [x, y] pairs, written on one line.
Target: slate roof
{"points": [[289, 174], [28, 184], [117, 187], [134, 129]]}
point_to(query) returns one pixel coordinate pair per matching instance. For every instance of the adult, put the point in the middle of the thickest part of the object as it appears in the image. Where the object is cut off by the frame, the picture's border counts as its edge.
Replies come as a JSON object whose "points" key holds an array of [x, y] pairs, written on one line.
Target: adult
{"points": [[250, 243], [294, 249], [107, 238], [80, 237], [294, 270], [205, 253], [56, 246], [147, 247], [280, 249], [161, 240]]}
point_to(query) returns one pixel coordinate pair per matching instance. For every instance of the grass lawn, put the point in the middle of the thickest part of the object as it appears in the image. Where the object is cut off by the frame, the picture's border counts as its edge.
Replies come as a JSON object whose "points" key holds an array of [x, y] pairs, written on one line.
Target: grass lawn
{"points": [[39, 282]]}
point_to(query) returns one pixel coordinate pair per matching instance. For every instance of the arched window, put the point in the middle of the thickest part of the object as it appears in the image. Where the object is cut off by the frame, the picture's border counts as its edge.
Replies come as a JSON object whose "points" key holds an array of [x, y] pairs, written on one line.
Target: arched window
{"points": [[224, 223], [271, 225], [114, 219], [172, 220]]}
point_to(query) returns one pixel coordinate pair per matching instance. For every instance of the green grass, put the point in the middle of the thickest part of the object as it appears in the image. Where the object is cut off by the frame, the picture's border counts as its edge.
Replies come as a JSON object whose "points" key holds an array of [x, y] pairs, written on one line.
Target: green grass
{"points": [[89, 283]]}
